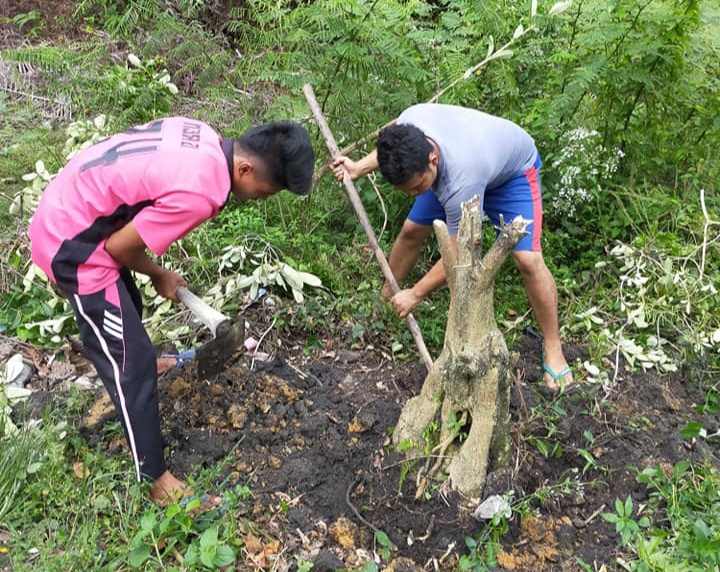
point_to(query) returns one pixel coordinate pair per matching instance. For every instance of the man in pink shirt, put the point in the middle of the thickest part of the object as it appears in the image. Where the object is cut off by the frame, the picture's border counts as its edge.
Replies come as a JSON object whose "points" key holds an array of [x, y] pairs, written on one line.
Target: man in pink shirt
{"points": [[141, 190]]}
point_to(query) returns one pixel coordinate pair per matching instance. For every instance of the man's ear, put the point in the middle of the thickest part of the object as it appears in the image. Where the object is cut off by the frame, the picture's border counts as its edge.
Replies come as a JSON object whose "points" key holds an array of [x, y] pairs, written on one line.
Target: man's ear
{"points": [[244, 167], [433, 158]]}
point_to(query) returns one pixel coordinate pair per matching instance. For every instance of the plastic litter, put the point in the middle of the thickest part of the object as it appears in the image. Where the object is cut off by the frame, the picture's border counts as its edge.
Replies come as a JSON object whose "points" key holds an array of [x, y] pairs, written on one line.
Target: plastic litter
{"points": [[491, 506]]}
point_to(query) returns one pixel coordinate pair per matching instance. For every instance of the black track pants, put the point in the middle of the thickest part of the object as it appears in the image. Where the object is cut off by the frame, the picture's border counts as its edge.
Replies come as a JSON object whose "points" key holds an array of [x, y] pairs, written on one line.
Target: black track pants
{"points": [[120, 349]]}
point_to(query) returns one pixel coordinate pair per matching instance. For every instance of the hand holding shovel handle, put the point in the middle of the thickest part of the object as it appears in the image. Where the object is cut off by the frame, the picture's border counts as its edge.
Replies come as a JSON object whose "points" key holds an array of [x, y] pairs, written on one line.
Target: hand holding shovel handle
{"points": [[362, 215], [228, 336], [208, 315]]}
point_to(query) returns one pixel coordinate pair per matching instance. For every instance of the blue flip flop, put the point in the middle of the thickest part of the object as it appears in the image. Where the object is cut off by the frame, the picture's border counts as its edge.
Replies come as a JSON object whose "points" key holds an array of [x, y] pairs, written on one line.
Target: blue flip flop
{"points": [[558, 377], [193, 502]]}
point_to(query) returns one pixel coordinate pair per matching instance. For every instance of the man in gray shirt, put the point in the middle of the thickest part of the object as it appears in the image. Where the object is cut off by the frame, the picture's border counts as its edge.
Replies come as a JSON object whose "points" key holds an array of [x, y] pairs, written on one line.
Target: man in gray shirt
{"points": [[444, 155]]}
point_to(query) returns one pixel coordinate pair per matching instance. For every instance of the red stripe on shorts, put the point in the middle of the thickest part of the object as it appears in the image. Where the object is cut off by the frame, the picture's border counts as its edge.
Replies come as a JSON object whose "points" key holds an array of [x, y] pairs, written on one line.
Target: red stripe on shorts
{"points": [[534, 181]]}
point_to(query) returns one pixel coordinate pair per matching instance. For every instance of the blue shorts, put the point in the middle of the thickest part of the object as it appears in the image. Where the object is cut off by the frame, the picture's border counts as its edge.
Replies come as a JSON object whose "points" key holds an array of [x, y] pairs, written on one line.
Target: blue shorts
{"points": [[521, 195]]}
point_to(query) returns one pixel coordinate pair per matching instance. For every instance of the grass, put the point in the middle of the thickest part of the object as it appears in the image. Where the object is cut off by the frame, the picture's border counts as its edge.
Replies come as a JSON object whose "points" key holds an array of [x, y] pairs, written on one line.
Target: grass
{"points": [[66, 506], [25, 137], [684, 530]]}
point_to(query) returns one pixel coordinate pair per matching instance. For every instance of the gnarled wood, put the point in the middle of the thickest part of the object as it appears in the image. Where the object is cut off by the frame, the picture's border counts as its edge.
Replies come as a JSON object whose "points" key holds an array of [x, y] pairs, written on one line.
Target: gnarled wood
{"points": [[471, 375]]}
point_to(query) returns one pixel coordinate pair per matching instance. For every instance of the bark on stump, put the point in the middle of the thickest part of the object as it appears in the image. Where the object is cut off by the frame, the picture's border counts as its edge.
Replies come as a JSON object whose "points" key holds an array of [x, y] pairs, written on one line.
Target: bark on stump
{"points": [[470, 379]]}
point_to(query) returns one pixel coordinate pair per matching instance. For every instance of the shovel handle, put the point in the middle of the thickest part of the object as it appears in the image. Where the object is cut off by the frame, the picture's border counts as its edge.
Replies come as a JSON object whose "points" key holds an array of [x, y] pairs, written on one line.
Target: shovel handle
{"points": [[208, 315]]}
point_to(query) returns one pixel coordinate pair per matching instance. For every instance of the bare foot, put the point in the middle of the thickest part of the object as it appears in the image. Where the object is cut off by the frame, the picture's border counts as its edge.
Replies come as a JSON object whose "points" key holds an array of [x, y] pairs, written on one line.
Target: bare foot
{"points": [[167, 489], [164, 364]]}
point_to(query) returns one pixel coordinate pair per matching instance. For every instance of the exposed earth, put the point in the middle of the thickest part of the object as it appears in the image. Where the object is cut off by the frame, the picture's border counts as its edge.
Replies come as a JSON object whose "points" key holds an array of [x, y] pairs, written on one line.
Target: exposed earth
{"points": [[308, 434]]}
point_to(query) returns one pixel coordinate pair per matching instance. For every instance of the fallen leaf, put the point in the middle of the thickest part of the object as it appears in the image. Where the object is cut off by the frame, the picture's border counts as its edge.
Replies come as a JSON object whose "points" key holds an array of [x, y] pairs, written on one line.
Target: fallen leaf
{"points": [[81, 471]]}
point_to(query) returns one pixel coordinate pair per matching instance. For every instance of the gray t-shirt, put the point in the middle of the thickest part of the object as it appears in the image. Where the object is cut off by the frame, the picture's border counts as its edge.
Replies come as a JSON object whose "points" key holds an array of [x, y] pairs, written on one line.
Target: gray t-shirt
{"points": [[478, 151]]}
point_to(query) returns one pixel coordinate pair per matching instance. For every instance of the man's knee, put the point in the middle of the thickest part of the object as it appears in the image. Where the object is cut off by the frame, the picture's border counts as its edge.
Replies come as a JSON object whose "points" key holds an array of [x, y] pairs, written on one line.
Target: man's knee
{"points": [[414, 233], [529, 263]]}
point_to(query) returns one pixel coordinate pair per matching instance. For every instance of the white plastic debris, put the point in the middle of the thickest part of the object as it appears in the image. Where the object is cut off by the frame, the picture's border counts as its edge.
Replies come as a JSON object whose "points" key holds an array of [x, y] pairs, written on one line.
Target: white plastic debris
{"points": [[491, 506], [17, 372]]}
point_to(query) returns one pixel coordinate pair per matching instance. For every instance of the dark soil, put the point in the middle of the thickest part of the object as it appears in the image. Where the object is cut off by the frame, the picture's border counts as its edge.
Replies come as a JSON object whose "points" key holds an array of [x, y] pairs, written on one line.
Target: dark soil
{"points": [[309, 436], [25, 22]]}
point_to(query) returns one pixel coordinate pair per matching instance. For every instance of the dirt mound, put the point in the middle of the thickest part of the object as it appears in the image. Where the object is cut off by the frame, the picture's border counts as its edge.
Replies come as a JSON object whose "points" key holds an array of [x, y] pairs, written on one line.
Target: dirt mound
{"points": [[309, 436]]}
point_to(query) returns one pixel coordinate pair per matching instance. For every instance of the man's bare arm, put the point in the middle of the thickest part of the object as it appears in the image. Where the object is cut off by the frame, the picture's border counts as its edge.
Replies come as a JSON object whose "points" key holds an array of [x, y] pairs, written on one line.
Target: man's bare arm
{"points": [[128, 248]]}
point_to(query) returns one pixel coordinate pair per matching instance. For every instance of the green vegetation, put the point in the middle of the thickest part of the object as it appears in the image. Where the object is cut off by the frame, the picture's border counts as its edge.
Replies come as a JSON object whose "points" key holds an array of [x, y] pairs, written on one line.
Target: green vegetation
{"points": [[623, 99], [67, 507]]}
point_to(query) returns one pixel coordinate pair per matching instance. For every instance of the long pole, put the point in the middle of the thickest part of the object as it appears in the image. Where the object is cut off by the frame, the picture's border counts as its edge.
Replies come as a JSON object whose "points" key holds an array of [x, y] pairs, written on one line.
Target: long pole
{"points": [[362, 215]]}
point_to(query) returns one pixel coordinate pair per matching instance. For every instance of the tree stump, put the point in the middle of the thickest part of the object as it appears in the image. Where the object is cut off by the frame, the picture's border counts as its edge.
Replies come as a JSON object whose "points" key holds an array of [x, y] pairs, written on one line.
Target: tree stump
{"points": [[469, 382]]}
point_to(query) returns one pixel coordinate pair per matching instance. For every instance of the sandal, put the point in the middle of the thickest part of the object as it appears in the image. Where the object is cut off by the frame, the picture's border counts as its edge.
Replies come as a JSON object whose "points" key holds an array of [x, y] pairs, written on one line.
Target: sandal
{"points": [[558, 377], [181, 360], [196, 504]]}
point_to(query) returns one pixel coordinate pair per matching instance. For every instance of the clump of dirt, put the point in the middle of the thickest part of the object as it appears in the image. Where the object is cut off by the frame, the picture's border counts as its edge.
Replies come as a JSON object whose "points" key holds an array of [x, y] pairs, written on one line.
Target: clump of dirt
{"points": [[314, 432]]}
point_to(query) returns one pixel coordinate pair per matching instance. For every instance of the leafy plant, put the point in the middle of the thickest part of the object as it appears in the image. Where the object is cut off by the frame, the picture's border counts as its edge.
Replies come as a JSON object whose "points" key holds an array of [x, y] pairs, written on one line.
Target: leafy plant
{"points": [[386, 545], [711, 407], [625, 526], [483, 549], [683, 533], [30, 23], [142, 89], [10, 395], [266, 269], [26, 201], [159, 537], [662, 299], [19, 458]]}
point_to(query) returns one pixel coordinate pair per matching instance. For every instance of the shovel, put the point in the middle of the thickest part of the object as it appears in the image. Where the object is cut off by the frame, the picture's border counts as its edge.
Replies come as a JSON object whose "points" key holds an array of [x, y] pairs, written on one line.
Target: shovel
{"points": [[227, 336]]}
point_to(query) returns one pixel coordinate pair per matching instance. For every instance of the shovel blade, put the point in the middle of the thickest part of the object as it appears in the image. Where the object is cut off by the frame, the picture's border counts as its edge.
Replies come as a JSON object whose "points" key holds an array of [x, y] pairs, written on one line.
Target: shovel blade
{"points": [[212, 356]]}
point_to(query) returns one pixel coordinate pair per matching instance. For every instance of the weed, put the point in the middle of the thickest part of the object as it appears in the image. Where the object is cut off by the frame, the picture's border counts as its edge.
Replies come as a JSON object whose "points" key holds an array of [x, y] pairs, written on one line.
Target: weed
{"points": [[456, 425], [139, 90], [385, 544], [159, 537], [303, 565], [684, 532], [625, 526], [431, 434], [483, 549], [30, 23], [548, 419], [697, 428], [20, 458]]}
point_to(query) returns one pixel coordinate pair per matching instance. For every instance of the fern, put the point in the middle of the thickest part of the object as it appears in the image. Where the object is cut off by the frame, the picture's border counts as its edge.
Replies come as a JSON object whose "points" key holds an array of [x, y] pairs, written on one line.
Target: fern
{"points": [[49, 58], [122, 21]]}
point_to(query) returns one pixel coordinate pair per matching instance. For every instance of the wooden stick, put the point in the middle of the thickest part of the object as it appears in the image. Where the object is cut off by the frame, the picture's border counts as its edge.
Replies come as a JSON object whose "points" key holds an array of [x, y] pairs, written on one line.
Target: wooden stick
{"points": [[362, 215]]}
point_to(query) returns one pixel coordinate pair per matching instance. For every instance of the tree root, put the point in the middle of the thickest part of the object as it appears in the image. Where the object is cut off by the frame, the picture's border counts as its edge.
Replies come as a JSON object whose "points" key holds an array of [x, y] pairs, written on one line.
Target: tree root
{"points": [[356, 512], [426, 472]]}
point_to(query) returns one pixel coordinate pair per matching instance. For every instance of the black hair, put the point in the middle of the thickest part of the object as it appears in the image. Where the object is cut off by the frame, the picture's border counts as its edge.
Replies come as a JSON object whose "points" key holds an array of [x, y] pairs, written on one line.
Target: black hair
{"points": [[402, 152], [285, 149]]}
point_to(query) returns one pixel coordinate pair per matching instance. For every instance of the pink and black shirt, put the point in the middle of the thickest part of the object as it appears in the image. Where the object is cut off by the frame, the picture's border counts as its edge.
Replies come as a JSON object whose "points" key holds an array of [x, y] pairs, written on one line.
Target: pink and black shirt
{"points": [[167, 176]]}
